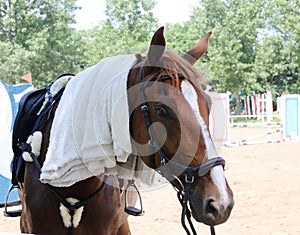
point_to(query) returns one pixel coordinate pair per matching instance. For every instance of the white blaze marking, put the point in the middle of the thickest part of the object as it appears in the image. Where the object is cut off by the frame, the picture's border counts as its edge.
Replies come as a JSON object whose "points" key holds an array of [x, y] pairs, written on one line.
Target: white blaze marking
{"points": [[217, 173]]}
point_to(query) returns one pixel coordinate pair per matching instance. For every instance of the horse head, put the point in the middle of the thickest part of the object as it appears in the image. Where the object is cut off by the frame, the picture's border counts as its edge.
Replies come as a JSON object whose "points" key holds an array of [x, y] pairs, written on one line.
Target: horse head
{"points": [[169, 128]]}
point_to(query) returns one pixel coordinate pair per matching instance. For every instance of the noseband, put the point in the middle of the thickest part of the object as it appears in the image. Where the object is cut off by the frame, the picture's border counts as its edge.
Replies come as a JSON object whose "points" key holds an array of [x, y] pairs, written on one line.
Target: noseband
{"points": [[168, 167]]}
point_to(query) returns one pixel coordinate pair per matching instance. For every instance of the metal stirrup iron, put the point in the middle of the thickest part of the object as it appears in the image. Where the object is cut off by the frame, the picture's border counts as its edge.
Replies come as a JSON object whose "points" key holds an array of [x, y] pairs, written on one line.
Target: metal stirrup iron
{"points": [[131, 210]]}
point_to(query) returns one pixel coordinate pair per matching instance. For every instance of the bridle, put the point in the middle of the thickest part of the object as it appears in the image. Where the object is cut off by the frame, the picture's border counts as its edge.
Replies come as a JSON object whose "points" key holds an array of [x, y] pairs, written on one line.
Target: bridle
{"points": [[168, 167]]}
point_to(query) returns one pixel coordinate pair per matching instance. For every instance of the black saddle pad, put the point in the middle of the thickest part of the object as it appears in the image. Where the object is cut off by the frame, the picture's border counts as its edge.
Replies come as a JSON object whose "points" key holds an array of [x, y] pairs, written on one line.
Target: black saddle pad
{"points": [[29, 106]]}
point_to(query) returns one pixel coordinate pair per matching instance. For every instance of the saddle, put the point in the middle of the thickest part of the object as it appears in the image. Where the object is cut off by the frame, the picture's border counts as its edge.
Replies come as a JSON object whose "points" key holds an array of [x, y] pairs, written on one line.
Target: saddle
{"points": [[31, 113], [26, 117], [33, 109]]}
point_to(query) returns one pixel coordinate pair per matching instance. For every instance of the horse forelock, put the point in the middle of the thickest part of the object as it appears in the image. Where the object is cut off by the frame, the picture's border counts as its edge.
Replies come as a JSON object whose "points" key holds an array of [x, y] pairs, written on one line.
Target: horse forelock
{"points": [[172, 64]]}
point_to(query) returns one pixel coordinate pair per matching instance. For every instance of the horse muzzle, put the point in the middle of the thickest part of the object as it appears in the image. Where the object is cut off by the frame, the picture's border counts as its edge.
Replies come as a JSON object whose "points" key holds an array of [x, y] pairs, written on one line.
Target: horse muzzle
{"points": [[212, 211]]}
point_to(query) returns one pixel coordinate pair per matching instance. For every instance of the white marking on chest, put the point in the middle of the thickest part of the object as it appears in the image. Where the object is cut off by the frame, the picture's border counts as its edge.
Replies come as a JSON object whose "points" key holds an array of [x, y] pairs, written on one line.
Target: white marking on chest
{"points": [[216, 172], [66, 217]]}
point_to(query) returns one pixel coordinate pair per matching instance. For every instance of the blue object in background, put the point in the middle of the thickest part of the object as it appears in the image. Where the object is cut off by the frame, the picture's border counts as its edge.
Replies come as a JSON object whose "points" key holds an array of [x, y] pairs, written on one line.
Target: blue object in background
{"points": [[9, 101], [292, 115]]}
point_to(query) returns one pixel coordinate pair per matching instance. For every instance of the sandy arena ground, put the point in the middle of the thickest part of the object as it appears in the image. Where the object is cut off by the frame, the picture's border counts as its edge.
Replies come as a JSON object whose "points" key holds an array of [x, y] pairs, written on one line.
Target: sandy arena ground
{"points": [[265, 180]]}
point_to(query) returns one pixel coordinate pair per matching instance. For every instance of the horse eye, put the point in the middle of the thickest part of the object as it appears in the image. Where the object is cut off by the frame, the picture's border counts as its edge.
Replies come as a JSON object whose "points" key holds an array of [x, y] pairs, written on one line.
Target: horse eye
{"points": [[160, 111]]}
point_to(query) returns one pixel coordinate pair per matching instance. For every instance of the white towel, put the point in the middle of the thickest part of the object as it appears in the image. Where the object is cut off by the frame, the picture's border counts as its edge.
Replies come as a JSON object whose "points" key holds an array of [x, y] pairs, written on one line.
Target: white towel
{"points": [[90, 130]]}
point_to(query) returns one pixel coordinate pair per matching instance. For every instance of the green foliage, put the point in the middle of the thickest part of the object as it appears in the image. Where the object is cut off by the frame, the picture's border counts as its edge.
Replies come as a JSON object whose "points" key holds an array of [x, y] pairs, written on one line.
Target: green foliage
{"points": [[232, 49], [278, 55], [132, 17], [21, 20], [127, 29], [37, 38], [14, 62], [254, 46]]}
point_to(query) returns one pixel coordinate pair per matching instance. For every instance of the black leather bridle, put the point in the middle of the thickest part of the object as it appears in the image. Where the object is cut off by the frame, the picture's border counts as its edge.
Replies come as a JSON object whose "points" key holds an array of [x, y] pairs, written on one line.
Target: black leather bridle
{"points": [[168, 167]]}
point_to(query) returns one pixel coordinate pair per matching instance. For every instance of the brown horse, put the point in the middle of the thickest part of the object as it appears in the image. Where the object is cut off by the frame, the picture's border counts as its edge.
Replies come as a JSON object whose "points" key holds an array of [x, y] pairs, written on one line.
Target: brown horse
{"points": [[168, 124]]}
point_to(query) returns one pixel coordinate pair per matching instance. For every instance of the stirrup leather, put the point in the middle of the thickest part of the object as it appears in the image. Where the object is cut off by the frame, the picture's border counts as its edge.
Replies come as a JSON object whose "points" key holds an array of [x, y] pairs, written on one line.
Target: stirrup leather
{"points": [[131, 210]]}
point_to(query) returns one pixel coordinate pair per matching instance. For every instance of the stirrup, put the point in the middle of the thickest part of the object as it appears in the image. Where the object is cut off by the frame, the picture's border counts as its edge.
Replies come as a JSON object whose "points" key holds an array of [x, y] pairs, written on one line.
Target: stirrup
{"points": [[131, 210], [12, 213]]}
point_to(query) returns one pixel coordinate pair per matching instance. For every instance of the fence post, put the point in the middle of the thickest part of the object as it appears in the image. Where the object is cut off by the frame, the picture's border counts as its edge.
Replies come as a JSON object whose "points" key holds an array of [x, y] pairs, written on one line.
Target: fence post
{"points": [[219, 118], [269, 106]]}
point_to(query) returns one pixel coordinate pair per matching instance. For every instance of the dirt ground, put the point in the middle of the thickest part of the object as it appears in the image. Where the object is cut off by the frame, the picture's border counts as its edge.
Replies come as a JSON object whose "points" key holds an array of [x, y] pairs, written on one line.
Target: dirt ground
{"points": [[265, 179]]}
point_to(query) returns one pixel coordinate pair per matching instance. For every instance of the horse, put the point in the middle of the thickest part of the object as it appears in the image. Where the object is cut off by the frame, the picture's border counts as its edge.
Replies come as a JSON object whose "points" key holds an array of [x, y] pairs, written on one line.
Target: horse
{"points": [[169, 120]]}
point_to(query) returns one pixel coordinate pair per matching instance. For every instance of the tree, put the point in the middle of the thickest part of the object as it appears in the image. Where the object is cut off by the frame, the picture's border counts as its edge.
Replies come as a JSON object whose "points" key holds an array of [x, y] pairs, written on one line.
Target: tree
{"points": [[21, 20], [232, 49], [13, 62], [39, 37], [254, 46], [127, 29], [278, 58], [132, 18]]}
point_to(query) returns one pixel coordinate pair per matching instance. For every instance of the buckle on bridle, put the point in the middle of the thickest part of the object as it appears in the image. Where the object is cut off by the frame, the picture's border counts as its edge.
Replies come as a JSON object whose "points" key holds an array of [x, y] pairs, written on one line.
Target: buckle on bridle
{"points": [[163, 162], [144, 108], [189, 179]]}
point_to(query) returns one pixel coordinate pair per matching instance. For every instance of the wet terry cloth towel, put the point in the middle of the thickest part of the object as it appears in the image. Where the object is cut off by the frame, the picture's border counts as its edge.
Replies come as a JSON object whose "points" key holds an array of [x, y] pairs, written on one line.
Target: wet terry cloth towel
{"points": [[90, 130]]}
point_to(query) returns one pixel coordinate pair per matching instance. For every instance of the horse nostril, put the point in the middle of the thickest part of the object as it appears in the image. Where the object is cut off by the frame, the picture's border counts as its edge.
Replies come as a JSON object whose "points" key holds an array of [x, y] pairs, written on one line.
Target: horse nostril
{"points": [[215, 211], [212, 208]]}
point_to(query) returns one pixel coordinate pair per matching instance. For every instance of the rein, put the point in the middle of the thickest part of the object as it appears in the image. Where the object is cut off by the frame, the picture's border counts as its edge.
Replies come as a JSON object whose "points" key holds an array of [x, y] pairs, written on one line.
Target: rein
{"points": [[167, 165]]}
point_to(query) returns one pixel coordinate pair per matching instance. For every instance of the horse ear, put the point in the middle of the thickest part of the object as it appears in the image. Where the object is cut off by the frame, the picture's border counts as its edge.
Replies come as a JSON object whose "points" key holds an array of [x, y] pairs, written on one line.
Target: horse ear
{"points": [[198, 49], [157, 46]]}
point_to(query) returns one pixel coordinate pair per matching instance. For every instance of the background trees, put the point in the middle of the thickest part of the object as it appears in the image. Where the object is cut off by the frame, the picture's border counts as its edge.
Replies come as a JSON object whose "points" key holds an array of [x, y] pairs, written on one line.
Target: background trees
{"points": [[127, 29], [278, 53], [254, 46], [232, 52], [36, 36]]}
